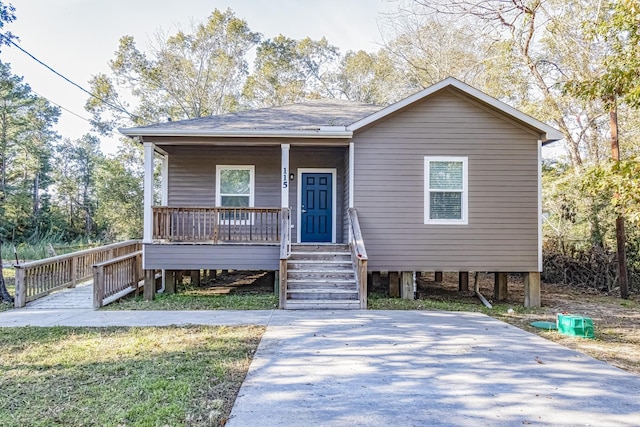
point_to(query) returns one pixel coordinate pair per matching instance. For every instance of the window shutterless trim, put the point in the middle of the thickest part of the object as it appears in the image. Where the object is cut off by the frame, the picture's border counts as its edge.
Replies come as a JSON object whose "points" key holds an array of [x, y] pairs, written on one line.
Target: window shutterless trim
{"points": [[464, 191]]}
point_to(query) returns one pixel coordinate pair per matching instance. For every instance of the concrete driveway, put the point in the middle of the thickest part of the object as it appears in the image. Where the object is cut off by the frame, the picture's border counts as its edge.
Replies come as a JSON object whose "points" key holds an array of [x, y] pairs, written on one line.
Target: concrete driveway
{"points": [[408, 368], [397, 368]]}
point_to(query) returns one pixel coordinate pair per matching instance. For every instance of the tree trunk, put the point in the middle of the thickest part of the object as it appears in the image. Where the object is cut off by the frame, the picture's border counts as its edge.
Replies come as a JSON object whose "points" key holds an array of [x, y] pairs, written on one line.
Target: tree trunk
{"points": [[4, 294], [623, 278]]}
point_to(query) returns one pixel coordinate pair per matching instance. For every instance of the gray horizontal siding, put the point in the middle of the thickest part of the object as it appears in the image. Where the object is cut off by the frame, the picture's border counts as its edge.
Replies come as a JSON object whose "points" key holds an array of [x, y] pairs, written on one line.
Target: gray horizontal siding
{"points": [[502, 234], [192, 175], [194, 257]]}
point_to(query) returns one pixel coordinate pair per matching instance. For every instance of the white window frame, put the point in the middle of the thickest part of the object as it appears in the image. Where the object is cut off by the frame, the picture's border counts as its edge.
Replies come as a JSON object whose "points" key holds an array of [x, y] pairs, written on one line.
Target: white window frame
{"points": [[465, 190], [252, 170]]}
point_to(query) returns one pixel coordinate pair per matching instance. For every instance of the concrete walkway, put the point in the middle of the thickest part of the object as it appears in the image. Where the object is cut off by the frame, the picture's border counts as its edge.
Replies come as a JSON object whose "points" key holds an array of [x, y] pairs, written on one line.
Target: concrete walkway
{"points": [[400, 368]]}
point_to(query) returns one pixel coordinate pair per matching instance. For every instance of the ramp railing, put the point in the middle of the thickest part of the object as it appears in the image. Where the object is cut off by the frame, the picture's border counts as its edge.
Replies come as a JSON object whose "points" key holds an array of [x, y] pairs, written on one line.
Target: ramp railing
{"points": [[39, 278]]}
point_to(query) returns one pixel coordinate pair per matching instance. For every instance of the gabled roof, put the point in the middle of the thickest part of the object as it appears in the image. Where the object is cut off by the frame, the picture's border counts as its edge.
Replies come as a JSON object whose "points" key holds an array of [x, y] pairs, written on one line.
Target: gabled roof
{"points": [[328, 118], [318, 118], [551, 133]]}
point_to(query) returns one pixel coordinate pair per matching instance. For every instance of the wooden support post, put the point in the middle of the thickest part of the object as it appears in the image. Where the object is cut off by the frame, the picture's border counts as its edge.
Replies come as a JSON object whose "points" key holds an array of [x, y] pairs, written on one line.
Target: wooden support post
{"points": [[276, 283], [500, 291], [394, 284], [149, 285], [283, 283], [98, 286], [437, 277], [376, 282], [20, 298], [74, 271], [463, 281], [532, 289], [195, 277], [407, 285], [170, 282]]}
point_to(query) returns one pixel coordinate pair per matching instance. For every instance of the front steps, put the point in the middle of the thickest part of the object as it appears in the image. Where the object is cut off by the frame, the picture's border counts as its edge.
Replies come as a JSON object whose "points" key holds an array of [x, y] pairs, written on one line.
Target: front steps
{"points": [[321, 277]]}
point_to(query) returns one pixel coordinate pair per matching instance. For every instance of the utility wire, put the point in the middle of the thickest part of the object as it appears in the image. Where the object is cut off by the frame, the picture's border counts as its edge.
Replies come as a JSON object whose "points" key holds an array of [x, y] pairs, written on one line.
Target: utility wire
{"points": [[71, 112], [121, 109]]}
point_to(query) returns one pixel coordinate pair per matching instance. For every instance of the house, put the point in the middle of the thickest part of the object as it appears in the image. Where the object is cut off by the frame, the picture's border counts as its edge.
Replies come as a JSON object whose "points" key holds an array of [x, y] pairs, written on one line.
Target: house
{"points": [[327, 191]]}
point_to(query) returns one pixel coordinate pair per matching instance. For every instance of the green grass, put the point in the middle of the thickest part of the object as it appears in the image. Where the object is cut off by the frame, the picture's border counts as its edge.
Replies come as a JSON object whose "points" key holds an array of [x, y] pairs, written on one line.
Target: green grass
{"points": [[381, 302], [122, 376], [39, 250], [194, 300], [9, 278]]}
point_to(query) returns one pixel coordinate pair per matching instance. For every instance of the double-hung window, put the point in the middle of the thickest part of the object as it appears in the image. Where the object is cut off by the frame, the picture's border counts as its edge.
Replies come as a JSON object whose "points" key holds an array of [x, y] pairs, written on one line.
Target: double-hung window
{"points": [[235, 189], [445, 190]]}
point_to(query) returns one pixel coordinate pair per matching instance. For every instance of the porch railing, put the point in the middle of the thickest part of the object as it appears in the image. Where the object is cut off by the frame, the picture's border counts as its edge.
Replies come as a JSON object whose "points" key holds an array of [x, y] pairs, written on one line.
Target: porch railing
{"points": [[116, 278], [285, 252], [216, 225], [39, 278], [358, 256]]}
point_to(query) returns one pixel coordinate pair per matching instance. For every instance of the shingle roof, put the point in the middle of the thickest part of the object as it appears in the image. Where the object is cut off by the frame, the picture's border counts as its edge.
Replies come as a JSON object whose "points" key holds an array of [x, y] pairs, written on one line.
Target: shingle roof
{"points": [[310, 115]]}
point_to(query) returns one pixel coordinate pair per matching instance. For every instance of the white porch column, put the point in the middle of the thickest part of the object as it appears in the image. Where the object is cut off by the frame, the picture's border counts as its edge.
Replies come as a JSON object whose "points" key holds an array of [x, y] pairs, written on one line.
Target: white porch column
{"points": [[148, 192], [165, 180], [351, 173], [284, 196]]}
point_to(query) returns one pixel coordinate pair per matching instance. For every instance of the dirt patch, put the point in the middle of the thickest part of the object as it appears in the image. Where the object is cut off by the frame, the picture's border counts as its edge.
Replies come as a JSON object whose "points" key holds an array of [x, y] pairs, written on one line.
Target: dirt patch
{"points": [[239, 282], [616, 321]]}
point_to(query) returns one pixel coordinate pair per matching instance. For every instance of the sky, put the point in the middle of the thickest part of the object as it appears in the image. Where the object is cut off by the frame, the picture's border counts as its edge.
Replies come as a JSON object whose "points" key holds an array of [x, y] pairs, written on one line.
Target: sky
{"points": [[77, 38]]}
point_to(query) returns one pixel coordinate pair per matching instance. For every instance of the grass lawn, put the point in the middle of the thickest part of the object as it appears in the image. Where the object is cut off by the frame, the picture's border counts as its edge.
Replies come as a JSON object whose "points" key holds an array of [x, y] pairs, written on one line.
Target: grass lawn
{"points": [[122, 376], [199, 300], [9, 278]]}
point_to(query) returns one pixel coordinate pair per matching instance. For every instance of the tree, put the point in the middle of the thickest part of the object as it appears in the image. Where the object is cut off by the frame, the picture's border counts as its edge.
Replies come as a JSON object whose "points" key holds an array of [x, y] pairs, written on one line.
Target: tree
{"points": [[288, 71], [372, 78], [185, 75], [7, 15], [529, 49], [78, 163], [620, 31], [119, 190]]}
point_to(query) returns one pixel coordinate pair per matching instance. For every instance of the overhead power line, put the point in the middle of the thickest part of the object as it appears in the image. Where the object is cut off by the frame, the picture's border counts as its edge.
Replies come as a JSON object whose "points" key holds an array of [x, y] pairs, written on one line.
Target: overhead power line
{"points": [[116, 107]]}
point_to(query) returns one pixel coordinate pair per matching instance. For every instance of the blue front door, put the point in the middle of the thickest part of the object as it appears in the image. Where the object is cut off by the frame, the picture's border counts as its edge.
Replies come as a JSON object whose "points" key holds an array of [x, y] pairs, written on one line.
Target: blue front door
{"points": [[316, 216]]}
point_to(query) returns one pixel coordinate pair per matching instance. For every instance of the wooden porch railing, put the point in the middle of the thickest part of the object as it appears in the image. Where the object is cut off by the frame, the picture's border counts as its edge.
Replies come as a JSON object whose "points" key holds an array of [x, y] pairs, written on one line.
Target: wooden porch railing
{"points": [[39, 278], [285, 252], [216, 225], [358, 256], [116, 278]]}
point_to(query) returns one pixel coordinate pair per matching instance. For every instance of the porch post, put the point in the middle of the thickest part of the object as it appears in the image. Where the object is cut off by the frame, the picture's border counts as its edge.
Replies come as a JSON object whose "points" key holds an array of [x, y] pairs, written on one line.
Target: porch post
{"points": [[351, 173], [284, 196], [164, 176], [148, 193]]}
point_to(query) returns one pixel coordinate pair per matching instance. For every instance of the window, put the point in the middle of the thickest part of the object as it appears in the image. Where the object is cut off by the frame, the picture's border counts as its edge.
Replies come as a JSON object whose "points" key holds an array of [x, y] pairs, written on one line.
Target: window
{"points": [[445, 190], [234, 188]]}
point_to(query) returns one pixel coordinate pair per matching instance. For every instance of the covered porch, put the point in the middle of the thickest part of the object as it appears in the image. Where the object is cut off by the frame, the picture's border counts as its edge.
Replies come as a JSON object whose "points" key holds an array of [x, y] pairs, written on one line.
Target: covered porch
{"points": [[244, 194]]}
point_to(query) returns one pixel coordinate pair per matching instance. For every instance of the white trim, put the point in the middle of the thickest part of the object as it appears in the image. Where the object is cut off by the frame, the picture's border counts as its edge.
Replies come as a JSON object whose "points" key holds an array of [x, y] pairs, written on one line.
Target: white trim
{"points": [[164, 181], [251, 169], [465, 190], [551, 134], [284, 170], [333, 172], [540, 206], [351, 173], [240, 133], [148, 192]]}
